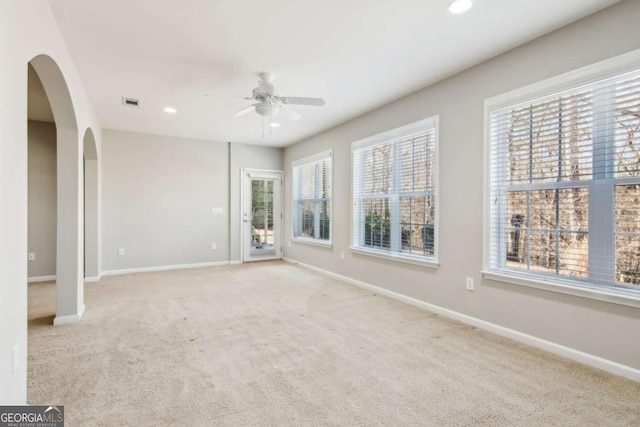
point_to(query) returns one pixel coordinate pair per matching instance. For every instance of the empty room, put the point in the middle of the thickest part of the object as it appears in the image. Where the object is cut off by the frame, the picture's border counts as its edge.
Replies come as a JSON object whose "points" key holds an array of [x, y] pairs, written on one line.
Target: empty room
{"points": [[361, 213]]}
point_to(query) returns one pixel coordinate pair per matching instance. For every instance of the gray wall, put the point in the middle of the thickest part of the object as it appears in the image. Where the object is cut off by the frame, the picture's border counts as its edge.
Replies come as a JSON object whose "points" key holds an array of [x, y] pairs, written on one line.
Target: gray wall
{"points": [[248, 157], [42, 198], [157, 197], [602, 329]]}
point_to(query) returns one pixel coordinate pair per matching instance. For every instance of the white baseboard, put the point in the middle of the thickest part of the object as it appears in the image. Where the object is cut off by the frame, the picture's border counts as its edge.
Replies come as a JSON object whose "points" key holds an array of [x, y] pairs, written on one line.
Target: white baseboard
{"points": [[570, 353], [41, 279], [164, 268], [92, 279], [72, 318], [235, 262]]}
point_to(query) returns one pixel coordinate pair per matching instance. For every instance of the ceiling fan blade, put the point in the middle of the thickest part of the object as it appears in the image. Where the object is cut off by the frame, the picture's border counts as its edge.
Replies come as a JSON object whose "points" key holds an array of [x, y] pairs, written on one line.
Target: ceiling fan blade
{"points": [[319, 102], [288, 113], [246, 110]]}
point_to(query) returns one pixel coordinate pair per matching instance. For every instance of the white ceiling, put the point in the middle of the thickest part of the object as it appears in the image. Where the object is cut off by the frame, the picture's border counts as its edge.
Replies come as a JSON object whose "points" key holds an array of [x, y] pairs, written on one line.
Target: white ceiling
{"points": [[356, 54]]}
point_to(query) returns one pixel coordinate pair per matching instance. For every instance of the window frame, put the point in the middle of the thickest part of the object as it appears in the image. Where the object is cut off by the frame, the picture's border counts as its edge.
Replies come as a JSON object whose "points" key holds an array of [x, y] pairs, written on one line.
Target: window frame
{"points": [[314, 158], [386, 137], [527, 95]]}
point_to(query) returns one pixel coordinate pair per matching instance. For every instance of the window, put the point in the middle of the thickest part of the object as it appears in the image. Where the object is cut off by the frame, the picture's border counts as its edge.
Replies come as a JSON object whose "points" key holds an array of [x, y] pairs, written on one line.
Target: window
{"points": [[312, 198], [394, 192], [565, 185]]}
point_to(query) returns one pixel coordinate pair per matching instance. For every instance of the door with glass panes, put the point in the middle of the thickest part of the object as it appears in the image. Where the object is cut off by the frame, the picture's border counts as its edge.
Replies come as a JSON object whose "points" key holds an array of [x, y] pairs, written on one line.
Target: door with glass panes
{"points": [[261, 215]]}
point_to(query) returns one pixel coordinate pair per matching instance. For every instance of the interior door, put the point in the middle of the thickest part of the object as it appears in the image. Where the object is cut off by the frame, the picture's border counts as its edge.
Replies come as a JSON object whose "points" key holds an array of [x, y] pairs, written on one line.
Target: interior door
{"points": [[261, 215]]}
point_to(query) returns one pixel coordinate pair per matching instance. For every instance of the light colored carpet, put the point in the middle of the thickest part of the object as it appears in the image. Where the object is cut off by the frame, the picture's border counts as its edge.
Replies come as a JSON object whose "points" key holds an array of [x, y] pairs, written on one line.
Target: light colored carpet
{"points": [[271, 344]]}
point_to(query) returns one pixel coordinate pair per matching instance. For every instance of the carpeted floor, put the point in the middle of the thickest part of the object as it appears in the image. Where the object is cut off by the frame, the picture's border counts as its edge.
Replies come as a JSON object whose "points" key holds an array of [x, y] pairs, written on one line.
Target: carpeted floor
{"points": [[271, 344]]}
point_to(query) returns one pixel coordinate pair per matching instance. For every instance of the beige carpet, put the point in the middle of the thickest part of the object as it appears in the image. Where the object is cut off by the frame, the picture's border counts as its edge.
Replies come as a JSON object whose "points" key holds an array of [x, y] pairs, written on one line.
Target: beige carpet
{"points": [[273, 344]]}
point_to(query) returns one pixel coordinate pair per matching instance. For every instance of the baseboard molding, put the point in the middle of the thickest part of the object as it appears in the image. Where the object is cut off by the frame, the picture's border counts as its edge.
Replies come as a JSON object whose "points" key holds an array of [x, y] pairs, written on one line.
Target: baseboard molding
{"points": [[570, 353], [235, 262], [164, 268], [72, 318], [92, 279], [41, 279]]}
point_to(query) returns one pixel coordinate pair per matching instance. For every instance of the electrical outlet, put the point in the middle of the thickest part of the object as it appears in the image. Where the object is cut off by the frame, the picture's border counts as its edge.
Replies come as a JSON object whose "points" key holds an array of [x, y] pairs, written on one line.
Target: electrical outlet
{"points": [[289, 243], [32, 256], [342, 255], [213, 246], [470, 284], [120, 251]]}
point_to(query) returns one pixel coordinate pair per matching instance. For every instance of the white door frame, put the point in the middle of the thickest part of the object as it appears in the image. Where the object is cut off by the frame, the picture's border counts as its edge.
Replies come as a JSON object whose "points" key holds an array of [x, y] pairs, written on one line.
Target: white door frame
{"points": [[245, 175]]}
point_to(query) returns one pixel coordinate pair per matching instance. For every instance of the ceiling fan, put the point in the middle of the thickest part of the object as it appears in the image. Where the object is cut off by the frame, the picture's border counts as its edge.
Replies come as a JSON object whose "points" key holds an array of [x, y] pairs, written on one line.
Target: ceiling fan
{"points": [[270, 104]]}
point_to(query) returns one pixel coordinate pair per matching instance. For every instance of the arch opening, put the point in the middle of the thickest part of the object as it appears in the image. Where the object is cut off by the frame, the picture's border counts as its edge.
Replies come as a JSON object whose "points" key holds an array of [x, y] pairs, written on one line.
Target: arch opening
{"points": [[69, 286]]}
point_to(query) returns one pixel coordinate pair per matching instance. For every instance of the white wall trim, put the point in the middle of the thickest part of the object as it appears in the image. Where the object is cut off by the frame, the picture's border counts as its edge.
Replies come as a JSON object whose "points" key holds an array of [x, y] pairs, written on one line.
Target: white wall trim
{"points": [[72, 318], [235, 262], [164, 268], [41, 279], [570, 353], [92, 279]]}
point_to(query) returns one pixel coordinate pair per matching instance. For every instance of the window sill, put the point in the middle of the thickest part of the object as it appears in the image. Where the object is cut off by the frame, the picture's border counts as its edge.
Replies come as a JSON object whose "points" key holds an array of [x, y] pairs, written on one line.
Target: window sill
{"points": [[430, 263], [614, 296], [312, 242]]}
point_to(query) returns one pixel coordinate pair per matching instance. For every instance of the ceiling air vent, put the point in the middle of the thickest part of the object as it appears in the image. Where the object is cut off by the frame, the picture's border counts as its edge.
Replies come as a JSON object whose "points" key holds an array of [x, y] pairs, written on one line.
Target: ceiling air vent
{"points": [[131, 102]]}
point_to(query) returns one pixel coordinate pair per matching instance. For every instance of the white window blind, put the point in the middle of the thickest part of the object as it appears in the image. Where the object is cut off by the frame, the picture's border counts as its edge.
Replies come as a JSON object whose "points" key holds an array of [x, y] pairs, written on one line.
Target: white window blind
{"points": [[394, 191], [312, 184], [565, 185]]}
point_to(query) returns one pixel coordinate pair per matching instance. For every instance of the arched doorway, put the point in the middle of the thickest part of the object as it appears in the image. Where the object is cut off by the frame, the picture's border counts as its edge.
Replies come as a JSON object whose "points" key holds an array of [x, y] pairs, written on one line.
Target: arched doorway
{"points": [[69, 242], [91, 209]]}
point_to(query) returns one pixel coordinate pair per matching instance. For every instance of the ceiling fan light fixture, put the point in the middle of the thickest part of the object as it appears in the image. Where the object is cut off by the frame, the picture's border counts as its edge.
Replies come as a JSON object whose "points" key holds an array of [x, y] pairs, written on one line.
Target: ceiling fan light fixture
{"points": [[267, 109], [459, 7]]}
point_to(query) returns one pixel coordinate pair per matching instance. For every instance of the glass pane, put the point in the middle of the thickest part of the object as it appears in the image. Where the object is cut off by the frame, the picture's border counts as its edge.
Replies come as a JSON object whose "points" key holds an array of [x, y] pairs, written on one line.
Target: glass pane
{"points": [[307, 181], [627, 134], [515, 219], [375, 172], [262, 233], [545, 142], [551, 141], [377, 223], [574, 255], [627, 217], [417, 225], [628, 260], [576, 143], [542, 209], [573, 209], [518, 146], [307, 217], [414, 156], [325, 220], [547, 231], [542, 252]]}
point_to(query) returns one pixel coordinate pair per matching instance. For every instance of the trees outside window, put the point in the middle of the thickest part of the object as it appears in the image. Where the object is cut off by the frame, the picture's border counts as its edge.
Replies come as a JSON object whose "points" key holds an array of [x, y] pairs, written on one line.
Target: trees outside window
{"points": [[394, 191], [312, 182], [565, 184]]}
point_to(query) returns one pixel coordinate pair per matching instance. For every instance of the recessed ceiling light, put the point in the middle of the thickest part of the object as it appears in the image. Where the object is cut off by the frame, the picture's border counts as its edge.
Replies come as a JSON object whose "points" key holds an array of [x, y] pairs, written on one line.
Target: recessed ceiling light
{"points": [[170, 110], [275, 125], [460, 6]]}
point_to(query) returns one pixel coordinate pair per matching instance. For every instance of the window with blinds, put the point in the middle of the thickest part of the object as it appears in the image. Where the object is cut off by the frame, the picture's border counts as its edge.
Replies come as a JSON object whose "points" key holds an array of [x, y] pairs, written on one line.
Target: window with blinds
{"points": [[394, 191], [311, 203], [565, 185]]}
